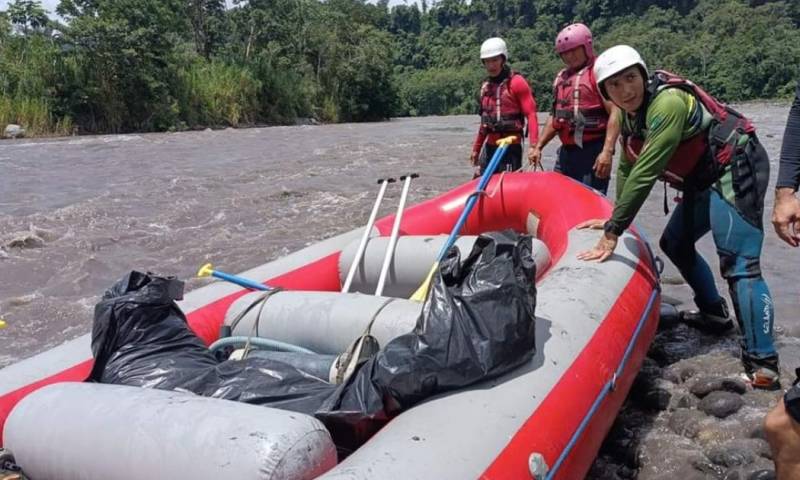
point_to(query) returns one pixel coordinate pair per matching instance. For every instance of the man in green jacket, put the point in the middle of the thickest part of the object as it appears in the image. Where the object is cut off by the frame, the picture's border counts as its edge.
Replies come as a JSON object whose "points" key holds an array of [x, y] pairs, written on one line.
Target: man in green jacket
{"points": [[673, 130]]}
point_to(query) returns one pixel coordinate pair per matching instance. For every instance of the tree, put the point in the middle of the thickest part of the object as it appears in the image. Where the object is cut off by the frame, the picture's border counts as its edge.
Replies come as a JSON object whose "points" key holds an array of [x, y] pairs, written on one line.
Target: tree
{"points": [[27, 15], [123, 52], [207, 18]]}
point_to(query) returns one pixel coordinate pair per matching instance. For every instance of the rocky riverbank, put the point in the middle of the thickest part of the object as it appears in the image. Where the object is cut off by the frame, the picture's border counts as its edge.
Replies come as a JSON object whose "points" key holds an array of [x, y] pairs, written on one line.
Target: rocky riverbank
{"points": [[690, 415]]}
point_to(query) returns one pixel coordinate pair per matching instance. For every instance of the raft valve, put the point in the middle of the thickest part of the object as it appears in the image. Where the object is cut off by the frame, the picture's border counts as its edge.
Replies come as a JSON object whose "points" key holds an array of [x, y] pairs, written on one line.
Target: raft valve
{"points": [[538, 466]]}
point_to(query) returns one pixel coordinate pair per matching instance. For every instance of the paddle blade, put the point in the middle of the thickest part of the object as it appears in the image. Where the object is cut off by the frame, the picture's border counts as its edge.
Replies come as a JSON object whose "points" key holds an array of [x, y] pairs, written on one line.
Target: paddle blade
{"points": [[2, 323], [422, 292]]}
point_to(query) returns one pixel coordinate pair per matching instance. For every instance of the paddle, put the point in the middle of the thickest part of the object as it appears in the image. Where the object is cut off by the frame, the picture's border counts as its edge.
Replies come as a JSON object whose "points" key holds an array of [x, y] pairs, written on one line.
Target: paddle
{"points": [[3, 323], [422, 291], [207, 270], [366, 345], [387, 259], [367, 230]]}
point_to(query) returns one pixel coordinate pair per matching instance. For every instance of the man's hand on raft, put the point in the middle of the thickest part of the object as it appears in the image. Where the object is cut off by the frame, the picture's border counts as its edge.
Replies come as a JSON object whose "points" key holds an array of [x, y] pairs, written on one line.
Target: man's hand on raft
{"points": [[604, 248]]}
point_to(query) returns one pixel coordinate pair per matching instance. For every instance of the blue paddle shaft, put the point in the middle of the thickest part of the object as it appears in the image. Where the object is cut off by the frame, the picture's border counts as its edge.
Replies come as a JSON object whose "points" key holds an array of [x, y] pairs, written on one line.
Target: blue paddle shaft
{"points": [[242, 282], [498, 155]]}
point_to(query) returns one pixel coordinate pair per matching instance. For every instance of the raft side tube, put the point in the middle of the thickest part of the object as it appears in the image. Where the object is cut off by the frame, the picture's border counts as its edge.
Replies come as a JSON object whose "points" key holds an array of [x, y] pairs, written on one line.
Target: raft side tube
{"points": [[86, 431], [412, 262], [325, 322]]}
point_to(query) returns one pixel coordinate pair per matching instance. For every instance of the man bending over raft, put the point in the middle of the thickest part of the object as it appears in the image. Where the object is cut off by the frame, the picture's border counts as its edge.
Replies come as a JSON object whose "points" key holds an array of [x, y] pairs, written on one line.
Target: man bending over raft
{"points": [[673, 130]]}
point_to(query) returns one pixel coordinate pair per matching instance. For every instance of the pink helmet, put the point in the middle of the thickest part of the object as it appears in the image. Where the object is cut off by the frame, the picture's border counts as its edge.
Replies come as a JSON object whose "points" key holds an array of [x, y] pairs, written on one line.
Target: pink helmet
{"points": [[573, 36]]}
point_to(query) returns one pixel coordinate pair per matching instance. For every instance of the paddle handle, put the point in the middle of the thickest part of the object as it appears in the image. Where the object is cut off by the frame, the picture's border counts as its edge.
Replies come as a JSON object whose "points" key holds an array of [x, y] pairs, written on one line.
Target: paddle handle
{"points": [[362, 246], [387, 259], [243, 282], [207, 270]]}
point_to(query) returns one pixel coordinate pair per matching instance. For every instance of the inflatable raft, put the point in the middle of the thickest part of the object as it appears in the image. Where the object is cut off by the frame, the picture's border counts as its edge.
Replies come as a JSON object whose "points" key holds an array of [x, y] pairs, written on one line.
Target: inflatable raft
{"points": [[545, 420]]}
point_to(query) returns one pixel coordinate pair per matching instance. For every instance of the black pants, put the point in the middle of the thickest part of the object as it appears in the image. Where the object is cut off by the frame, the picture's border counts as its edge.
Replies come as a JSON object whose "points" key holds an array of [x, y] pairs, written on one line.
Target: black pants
{"points": [[578, 163], [511, 161]]}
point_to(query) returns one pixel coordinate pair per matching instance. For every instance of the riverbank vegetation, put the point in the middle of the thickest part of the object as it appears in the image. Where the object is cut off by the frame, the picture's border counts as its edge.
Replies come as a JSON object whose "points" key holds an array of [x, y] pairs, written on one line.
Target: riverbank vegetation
{"points": [[101, 66]]}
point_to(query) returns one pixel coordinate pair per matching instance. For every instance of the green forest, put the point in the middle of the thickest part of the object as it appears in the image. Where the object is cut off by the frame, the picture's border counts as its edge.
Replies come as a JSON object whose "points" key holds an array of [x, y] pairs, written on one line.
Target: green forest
{"points": [[103, 66]]}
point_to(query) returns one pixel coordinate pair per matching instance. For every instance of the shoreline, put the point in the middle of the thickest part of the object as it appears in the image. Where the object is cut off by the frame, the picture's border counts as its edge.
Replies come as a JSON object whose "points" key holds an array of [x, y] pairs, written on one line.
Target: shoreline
{"points": [[310, 121]]}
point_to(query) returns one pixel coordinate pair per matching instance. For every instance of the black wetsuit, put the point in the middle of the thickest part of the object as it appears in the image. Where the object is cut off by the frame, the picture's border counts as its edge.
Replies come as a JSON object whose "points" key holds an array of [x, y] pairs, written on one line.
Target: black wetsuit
{"points": [[789, 176], [789, 172]]}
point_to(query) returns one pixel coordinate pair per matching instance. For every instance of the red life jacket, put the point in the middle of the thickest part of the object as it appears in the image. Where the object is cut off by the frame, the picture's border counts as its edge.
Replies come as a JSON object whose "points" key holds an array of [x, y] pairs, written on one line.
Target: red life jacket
{"points": [[700, 159], [578, 111], [500, 109]]}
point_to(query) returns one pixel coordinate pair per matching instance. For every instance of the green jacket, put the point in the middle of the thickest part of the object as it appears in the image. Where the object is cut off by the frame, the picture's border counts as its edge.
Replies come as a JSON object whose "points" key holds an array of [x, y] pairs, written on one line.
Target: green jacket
{"points": [[671, 117]]}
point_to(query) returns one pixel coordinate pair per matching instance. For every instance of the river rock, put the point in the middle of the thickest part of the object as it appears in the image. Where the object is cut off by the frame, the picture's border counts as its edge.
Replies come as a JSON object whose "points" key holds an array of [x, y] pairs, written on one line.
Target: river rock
{"points": [[26, 240], [666, 456], [761, 399], [686, 423], [656, 399], [14, 131], [762, 475], [621, 446], [669, 316], [604, 469], [731, 456], [705, 385], [680, 372], [721, 404], [708, 467], [683, 400], [682, 471], [758, 447]]}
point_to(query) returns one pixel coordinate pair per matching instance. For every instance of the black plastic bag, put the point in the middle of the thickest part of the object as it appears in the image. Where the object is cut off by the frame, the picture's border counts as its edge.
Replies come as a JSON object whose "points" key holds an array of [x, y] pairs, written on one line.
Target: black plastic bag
{"points": [[477, 323], [141, 338]]}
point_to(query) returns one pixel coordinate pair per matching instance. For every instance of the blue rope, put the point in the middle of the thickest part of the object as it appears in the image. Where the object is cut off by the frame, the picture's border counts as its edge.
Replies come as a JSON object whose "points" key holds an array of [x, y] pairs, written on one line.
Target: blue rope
{"points": [[607, 388]]}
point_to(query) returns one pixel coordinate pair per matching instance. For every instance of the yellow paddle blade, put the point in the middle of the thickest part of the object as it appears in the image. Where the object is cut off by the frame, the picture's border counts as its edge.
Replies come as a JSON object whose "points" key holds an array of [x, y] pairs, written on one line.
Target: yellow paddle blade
{"points": [[422, 292], [206, 270], [3, 323]]}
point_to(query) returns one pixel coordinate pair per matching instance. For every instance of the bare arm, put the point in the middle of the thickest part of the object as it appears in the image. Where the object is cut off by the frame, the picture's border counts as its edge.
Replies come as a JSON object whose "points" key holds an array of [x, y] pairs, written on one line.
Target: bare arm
{"points": [[602, 165]]}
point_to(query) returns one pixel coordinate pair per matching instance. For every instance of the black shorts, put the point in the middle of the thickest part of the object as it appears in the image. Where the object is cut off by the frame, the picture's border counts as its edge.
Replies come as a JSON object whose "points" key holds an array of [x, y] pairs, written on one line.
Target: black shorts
{"points": [[511, 161]]}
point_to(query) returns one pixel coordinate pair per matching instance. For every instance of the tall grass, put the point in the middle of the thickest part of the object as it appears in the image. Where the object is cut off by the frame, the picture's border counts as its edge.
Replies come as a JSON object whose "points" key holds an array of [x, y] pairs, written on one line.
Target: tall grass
{"points": [[215, 93], [34, 115]]}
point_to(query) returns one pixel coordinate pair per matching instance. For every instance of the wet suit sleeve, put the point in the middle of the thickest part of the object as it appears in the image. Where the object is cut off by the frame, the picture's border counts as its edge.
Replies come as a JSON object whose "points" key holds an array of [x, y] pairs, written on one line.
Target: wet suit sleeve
{"points": [[624, 166], [524, 95], [665, 121], [789, 171], [623, 170]]}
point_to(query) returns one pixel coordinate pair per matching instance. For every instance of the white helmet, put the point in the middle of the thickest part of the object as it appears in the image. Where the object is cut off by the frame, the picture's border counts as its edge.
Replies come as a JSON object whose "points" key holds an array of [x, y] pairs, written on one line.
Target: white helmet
{"points": [[493, 47], [615, 60]]}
